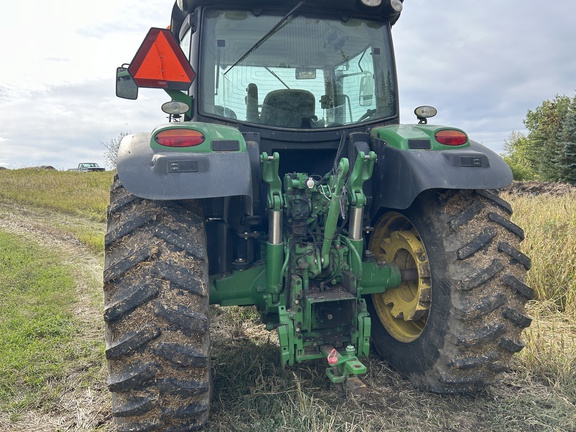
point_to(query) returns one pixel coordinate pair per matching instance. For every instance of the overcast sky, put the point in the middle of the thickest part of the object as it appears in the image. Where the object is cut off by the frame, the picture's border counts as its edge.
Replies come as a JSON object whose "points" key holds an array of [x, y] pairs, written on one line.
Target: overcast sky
{"points": [[482, 64]]}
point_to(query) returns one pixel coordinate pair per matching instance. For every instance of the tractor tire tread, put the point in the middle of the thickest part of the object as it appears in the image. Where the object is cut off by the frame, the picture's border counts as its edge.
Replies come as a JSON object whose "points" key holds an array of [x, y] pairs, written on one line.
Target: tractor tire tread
{"points": [[185, 318], [466, 216], [133, 406], [483, 275], [518, 286], [132, 341], [156, 313], [506, 223], [516, 317], [481, 241], [515, 254], [183, 388], [472, 310], [130, 300], [495, 199], [181, 355], [511, 345], [124, 265], [132, 377]]}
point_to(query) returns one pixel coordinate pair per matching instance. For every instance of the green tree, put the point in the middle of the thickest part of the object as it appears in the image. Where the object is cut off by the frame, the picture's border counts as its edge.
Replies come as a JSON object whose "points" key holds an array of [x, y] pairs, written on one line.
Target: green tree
{"points": [[515, 148], [543, 150], [567, 160]]}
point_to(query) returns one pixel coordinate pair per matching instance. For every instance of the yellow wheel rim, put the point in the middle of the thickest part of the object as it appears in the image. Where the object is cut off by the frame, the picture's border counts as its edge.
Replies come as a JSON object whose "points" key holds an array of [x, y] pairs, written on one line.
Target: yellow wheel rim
{"points": [[403, 311]]}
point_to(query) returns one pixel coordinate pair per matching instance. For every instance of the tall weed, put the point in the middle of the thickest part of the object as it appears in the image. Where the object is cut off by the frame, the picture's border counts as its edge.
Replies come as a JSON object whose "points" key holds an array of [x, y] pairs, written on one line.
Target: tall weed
{"points": [[549, 223]]}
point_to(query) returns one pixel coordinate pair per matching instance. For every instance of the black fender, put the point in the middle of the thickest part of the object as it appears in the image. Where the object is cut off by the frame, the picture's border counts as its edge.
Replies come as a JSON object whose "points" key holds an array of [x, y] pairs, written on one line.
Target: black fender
{"points": [[401, 175], [171, 175]]}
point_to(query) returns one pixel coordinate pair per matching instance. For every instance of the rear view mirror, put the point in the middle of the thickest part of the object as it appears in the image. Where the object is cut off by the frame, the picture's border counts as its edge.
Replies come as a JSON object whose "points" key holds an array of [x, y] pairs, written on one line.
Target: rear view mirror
{"points": [[305, 73], [126, 88], [366, 90]]}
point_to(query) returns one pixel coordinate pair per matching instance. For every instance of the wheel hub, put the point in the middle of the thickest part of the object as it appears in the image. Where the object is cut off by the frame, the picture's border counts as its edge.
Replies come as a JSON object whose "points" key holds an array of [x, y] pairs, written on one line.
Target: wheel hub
{"points": [[403, 311]]}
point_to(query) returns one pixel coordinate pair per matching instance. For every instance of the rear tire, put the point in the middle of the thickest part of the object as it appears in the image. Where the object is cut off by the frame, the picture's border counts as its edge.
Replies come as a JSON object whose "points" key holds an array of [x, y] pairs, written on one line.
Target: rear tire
{"points": [[455, 327], [156, 314]]}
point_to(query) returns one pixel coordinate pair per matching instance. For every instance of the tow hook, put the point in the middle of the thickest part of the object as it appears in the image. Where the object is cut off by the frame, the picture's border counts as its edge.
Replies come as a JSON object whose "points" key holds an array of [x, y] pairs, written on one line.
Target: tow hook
{"points": [[345, 368]]}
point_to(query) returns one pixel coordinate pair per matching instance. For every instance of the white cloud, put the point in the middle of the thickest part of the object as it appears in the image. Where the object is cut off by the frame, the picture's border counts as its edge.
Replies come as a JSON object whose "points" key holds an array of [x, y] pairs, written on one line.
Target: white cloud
{"points": [[484, 64]]}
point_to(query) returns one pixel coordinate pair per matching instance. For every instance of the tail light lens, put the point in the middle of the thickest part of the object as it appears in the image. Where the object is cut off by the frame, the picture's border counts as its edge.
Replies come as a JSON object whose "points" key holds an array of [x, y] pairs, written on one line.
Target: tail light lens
{"points": [[179, 138], [451, 137]]}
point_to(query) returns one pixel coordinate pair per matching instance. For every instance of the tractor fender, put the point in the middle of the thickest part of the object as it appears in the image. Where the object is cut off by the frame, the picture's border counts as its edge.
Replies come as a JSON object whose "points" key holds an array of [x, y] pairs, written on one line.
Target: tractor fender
{"points": [[176, 175], [401, 175]]}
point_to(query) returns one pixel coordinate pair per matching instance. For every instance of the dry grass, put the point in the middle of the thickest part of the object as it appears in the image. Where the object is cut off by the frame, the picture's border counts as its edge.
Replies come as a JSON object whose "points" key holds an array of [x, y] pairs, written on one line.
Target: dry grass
{"points": [[549, 222], [251, 392], [550, 353], [67, 204]]}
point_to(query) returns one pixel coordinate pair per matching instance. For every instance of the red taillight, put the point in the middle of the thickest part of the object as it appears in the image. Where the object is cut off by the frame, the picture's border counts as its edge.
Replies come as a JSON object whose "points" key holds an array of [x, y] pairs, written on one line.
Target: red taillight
{"points": [[179, 138], [451, 137]]}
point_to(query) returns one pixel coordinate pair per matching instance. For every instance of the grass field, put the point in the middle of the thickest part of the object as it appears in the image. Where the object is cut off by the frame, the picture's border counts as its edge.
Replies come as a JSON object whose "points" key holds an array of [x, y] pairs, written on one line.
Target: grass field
{"points": [[45, 340], [52, 371], [82, 194], [37, 295]]}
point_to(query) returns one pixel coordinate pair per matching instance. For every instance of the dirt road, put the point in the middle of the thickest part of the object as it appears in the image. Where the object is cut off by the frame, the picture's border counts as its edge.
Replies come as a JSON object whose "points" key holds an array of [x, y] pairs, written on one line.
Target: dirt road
{"points": [[81, 407]]}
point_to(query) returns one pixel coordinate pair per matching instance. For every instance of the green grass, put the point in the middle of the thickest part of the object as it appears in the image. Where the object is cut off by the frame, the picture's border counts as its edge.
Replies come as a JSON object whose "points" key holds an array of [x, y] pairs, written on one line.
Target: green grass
{"points": [[81, 194], [36, 323]]}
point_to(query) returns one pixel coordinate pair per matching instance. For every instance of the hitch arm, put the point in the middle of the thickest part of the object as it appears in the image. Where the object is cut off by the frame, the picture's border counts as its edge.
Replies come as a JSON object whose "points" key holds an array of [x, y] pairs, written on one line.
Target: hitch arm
{"points": [[274, 246], [362, 171], [334, 211]]}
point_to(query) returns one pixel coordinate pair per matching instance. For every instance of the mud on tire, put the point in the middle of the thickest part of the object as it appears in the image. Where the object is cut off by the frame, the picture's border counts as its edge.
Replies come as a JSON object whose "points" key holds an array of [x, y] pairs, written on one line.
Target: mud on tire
{"points": [[474, 309], [156, 314]]}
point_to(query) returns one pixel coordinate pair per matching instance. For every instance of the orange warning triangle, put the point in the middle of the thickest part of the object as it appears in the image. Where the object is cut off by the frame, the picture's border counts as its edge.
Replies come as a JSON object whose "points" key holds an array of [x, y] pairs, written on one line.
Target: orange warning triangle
{"points": [[160, 63]]}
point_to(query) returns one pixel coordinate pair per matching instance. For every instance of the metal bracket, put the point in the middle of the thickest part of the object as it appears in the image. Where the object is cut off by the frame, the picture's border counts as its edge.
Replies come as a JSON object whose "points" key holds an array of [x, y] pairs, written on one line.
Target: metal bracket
{"points": [[362, 171], [286, 338], [270, 167]]}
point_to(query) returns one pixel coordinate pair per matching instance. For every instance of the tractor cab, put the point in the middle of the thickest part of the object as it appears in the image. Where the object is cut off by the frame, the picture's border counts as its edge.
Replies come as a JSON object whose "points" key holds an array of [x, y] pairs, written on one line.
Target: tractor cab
{"points": [[282, 66]]}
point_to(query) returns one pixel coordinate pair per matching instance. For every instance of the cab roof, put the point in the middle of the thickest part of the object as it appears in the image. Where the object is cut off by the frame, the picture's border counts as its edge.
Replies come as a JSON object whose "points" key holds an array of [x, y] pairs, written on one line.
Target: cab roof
{"points": [[345, 7]]}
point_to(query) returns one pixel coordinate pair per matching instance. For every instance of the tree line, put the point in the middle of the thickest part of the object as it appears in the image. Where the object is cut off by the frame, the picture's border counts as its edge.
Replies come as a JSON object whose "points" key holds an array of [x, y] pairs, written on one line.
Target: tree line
{"points": [[548, 151]]}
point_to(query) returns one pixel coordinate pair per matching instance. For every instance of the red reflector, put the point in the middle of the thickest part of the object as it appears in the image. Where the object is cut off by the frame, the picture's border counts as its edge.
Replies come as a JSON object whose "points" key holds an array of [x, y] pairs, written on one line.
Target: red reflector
{"points": [[179, 138], [451, 137], [160, 63]]}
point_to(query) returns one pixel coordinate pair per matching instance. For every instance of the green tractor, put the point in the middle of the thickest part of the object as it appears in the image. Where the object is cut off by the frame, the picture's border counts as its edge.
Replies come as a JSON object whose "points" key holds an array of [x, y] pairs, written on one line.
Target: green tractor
{"points": [[283, 180]]}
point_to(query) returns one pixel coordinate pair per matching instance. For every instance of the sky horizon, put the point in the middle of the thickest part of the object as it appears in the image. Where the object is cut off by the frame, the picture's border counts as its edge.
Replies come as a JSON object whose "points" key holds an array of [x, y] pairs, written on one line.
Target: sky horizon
{"points": [[483, 65]]}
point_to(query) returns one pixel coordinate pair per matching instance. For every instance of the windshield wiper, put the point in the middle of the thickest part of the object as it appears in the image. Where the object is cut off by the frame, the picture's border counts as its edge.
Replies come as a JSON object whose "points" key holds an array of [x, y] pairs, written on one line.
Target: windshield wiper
{"points": [[275, 75], [272, 31]]}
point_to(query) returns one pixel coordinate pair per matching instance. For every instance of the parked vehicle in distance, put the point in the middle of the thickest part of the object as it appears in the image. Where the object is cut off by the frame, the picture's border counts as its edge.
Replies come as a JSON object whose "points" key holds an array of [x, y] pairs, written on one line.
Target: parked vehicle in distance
{"points": [[88, 167]]}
